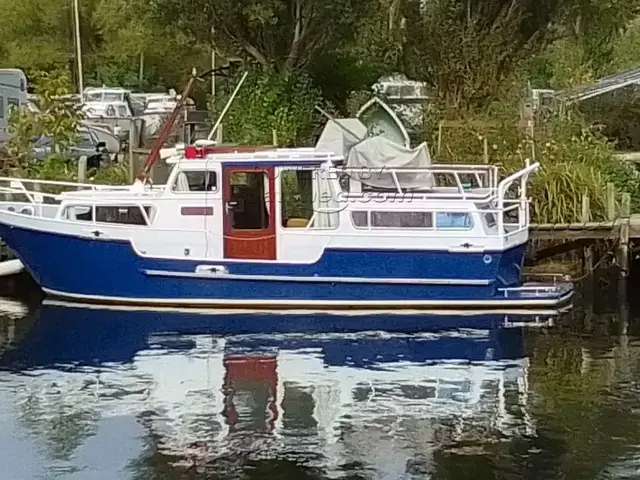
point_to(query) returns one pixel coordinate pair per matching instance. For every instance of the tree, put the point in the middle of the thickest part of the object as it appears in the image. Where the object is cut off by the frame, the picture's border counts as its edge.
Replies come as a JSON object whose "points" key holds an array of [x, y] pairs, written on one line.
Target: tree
{"points": [[138, 52], [471, 50], [35, 35], [283, 34]]}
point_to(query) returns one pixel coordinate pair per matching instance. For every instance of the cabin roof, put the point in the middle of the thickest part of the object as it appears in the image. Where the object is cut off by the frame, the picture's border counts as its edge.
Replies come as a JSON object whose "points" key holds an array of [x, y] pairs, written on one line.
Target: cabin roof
{"points": [[275, 157]]}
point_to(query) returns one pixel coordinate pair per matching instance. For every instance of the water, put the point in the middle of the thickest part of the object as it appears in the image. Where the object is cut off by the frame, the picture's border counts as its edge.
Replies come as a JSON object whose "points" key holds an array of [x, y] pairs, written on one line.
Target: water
{"points": [[90, 394]]}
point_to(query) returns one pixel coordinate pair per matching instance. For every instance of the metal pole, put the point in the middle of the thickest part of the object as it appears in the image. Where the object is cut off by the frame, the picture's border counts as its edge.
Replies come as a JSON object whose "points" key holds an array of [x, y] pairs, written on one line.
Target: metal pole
{"points": [[213, 64], [164, 133], [226, 107], [76, 14]]}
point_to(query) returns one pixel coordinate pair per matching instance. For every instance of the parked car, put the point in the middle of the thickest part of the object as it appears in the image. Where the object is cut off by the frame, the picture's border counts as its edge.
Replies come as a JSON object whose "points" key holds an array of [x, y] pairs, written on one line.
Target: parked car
{"points": [[88, 145]]}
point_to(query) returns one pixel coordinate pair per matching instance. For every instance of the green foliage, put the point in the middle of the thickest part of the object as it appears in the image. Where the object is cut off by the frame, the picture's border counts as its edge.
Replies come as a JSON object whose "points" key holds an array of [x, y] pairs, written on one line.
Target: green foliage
{"points": [[55, 118], [575, 161], [114, 174], [267, 102], [473, 52], [59, 120], [281, 34]]}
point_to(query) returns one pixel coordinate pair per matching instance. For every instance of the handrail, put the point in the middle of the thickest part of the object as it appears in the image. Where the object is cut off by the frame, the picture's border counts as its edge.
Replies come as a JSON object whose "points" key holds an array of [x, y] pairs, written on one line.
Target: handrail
{"points": [[438, 168], [523, 202], [64, 184]]}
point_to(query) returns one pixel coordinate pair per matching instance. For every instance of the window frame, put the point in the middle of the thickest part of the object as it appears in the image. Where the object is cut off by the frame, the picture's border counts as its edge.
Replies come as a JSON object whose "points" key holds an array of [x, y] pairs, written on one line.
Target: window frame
{"points": [[434, 220], [146, 212], [192, 192]]}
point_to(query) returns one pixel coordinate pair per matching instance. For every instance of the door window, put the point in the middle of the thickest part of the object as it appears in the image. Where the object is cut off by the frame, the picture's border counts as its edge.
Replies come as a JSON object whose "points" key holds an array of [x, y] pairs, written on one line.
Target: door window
{"points": [[249, 206]]}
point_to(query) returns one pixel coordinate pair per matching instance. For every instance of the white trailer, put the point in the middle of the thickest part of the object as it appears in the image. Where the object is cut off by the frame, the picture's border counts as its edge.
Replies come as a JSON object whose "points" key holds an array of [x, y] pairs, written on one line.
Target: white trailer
{"points": [[13, 93]]}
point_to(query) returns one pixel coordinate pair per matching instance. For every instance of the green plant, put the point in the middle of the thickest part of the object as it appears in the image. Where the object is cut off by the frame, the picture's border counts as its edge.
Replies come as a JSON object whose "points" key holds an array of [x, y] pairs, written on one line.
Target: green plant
{"points": [[269, 102], [576, 160], [55, 118]]}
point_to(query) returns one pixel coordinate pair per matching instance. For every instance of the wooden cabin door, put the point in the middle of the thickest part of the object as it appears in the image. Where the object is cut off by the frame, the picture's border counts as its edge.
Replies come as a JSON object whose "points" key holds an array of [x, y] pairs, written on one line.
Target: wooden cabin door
{"points": [[249, 213]]}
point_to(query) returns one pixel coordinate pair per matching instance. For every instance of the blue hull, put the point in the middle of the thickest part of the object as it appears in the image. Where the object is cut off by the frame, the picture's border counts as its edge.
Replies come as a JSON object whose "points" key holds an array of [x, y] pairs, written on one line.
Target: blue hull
{"points": [[111, 271]]}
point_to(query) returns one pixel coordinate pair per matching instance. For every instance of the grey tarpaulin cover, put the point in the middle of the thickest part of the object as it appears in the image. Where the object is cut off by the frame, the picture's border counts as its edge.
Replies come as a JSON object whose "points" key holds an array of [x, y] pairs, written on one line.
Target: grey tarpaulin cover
{"points": [[340, 135], [376, 154]]}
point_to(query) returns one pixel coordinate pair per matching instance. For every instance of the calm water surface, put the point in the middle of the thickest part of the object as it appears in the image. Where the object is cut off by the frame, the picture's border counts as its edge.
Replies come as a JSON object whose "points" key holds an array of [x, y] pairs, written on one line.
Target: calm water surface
{"points": [[92, 394]]}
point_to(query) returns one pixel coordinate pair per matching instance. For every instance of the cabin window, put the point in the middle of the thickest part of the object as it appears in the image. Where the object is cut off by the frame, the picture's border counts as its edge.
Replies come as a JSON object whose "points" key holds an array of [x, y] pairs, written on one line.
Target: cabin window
{"points": [[118, 214], [360, 219], [122, 111], [307, 196], [453, 220], [78, 212], [196, 181], [444, 220], [126, 215], [1, 106], [13, 102], [401, 219], [249, 203]]}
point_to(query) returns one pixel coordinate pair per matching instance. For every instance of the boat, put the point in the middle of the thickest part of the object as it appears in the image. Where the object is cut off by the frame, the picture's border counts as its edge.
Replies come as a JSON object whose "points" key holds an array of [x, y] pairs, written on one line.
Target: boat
{"points": [[355, 222], [205, 385]]}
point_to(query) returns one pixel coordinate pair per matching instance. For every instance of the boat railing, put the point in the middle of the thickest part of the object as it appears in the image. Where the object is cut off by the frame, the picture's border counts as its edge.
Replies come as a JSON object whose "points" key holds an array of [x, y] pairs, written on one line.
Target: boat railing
{"points": [[18, 192], [519, 204], [448, 181], [534, 290]]}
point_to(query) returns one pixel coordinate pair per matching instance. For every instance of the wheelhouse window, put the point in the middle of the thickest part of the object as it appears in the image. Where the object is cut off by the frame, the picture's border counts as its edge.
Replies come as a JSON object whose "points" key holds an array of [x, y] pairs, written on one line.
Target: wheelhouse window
{"points": [[196, 181], [117, 214], [307, 199]]}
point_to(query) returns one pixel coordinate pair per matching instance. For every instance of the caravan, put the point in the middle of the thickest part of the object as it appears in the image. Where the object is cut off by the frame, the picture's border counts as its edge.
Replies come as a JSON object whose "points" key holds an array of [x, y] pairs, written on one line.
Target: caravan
{"points": [[13, 93]]}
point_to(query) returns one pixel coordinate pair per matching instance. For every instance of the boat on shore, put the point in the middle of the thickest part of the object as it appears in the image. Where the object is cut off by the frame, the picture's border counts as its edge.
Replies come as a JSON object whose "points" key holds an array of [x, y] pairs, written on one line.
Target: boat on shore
{"points": [[355, 222]]}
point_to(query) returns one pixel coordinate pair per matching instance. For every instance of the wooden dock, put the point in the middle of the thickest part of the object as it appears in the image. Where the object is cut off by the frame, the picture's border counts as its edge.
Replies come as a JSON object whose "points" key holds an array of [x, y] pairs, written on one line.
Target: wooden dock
{"points": [[621, 229], [587, 230]]}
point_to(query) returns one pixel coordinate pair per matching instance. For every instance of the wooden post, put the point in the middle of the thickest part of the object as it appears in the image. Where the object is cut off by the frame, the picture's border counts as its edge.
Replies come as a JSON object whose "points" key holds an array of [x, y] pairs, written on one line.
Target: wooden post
{"points": [[586, 210], [131, 173], [82, 169], [587, 256], [274, 136], [439, 137], [623, 244], [611, 202], [486, 150]]}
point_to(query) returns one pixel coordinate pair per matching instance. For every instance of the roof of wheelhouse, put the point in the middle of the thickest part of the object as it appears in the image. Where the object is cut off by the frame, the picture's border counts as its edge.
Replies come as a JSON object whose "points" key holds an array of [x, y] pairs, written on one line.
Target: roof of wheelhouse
{"points": [[259, 157]]}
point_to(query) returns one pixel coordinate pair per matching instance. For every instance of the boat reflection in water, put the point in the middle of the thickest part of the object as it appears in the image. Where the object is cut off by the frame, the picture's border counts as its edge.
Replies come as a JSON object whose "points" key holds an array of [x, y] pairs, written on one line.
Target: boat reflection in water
{"points": [[212, 387]]}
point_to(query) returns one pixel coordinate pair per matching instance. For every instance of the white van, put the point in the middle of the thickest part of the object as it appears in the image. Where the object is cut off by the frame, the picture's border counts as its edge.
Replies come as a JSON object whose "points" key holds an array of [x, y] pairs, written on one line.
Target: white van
{"points": [[13, 93]]}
